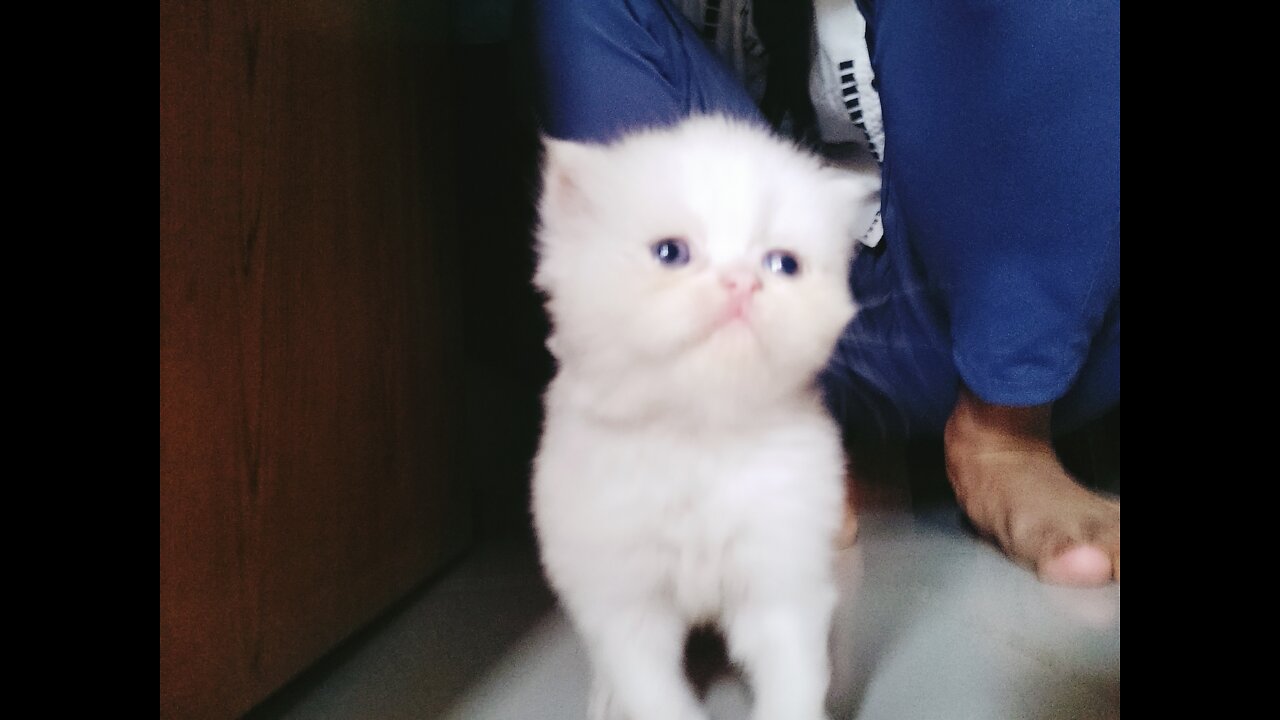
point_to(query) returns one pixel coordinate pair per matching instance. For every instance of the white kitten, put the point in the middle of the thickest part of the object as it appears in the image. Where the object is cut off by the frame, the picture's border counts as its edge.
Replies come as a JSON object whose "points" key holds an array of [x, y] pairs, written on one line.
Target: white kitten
{"points": [[697, 280]]}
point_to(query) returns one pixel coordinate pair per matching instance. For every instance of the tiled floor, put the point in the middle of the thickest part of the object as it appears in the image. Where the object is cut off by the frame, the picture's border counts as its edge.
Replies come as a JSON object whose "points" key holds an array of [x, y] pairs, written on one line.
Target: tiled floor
{"points": [[933, 624]]}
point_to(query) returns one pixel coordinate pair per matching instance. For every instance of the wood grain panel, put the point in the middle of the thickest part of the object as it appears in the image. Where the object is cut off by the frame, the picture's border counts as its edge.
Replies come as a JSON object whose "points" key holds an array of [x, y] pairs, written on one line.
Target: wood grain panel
{"points": [[308, 357]]}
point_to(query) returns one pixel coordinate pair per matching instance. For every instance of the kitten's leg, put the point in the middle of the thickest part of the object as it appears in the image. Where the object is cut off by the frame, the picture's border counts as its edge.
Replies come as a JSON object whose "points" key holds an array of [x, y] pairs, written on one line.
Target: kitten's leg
{"points": [[601, 705], [783, 646], [638, 656]]}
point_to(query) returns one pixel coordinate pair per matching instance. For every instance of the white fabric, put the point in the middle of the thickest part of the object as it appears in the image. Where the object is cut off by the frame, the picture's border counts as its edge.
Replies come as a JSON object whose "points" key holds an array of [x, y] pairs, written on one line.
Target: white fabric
{"points": [[846, 104], [840, 32]]}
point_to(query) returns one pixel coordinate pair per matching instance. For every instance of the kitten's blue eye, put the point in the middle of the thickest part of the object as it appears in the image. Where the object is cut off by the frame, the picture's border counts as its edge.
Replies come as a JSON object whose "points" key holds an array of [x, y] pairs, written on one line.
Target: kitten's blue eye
{"points": [[781, 262], [671, 252]]}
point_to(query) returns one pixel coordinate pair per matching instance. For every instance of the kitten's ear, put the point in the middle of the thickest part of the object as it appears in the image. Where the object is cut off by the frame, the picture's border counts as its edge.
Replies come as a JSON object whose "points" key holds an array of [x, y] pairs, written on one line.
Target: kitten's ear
{"points": [[858, 193], [568, 168]]}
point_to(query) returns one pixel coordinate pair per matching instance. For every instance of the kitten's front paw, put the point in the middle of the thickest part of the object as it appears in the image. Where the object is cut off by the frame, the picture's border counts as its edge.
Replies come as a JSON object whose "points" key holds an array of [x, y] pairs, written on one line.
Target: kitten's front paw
{"points": [[848, 529]]}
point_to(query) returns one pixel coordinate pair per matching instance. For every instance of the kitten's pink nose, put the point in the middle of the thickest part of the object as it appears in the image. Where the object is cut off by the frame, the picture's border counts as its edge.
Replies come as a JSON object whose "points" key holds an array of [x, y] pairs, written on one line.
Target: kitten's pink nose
{"points": [[740, 282]]}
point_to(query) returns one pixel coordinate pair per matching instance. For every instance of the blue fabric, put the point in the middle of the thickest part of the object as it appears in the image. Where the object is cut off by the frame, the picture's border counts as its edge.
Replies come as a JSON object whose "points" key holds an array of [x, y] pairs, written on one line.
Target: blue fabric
{"points": [[1001, 207], [1001, 258], [609, 66]]}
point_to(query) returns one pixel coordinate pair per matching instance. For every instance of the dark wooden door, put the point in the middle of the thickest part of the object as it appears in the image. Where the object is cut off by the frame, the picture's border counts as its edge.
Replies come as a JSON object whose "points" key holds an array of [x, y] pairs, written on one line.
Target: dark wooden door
{"points": [[308, 382]]}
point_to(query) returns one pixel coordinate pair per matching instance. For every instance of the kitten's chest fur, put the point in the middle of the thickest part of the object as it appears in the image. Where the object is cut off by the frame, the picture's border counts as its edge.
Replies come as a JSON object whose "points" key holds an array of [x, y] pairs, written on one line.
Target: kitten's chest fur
{"points": [[691, 515]]}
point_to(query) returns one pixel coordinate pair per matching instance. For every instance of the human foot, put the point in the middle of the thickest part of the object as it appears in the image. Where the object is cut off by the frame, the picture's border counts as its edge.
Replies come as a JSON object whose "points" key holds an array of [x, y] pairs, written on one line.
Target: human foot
{"points": [[1008, 479]]}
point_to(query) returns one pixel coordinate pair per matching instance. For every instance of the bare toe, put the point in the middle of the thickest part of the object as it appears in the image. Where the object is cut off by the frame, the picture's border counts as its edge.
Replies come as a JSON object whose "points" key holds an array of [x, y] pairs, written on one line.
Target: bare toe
{"points": [[1080, 565]]}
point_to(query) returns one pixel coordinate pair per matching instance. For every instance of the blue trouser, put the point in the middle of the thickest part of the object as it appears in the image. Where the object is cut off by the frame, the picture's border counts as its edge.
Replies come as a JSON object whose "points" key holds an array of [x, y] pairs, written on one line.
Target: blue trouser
{"points": [[1000, 264]]}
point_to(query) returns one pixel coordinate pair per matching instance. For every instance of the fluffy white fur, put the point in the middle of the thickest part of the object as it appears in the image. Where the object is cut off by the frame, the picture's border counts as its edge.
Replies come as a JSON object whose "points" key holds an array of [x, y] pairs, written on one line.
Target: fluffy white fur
{"points": [[688, 472]]}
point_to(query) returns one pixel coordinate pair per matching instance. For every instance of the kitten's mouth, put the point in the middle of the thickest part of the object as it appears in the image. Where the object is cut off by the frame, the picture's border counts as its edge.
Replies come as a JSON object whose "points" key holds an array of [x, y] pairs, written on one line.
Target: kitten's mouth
{"points": [[733, 319], [736, 310], [729, 320], [736, 316]]}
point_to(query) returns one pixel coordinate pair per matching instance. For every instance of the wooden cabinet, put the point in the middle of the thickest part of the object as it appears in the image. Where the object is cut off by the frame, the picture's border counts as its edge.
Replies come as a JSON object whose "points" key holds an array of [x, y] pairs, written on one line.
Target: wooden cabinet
{"points": [[308, 342]]}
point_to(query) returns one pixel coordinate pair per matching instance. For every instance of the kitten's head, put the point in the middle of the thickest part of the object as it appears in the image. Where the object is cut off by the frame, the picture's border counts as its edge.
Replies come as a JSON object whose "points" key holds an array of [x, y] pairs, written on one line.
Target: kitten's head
{"points": [[708, 259]]}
